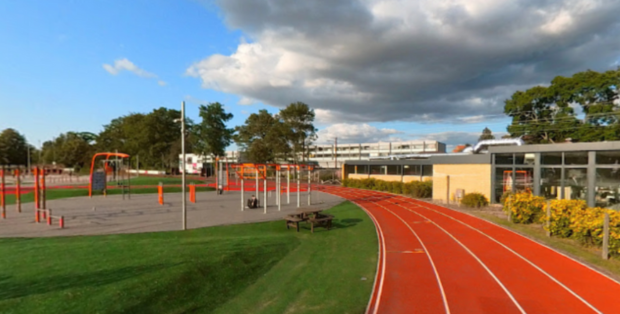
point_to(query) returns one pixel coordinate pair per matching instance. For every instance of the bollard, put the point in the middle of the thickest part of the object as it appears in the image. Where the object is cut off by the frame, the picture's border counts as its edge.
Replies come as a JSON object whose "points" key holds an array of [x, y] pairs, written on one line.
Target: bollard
{"points": [[49, 217], [160, 191], [548, 222], [606, 236], [61, 222]]}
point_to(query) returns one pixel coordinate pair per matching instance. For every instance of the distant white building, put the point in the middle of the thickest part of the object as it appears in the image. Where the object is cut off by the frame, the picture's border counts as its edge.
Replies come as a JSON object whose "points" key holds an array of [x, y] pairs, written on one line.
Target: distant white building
{"points": [[328, 156]]}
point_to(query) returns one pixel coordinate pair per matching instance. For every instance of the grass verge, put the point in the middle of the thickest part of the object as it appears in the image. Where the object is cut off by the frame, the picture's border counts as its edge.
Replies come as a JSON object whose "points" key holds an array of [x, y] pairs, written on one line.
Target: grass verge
{"points": [[252, 268]]}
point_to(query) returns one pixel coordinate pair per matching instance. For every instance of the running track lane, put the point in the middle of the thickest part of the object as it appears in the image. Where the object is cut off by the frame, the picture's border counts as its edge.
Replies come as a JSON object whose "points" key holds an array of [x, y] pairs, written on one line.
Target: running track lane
{"points": [[477, 267]]}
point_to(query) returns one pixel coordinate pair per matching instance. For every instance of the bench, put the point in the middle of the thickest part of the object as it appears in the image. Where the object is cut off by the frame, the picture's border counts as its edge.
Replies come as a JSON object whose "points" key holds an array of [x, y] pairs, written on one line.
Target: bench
{"points": [[324, 221], [293, 221]]}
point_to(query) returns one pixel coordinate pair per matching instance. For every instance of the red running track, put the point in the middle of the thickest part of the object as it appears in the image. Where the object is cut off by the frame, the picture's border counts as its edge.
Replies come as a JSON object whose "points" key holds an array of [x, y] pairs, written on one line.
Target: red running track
{"points": [[437, 260]]}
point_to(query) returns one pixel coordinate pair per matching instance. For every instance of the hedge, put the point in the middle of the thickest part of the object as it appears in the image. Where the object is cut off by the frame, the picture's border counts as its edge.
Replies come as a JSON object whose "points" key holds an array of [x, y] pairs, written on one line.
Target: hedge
{"points": [[416, 189]]}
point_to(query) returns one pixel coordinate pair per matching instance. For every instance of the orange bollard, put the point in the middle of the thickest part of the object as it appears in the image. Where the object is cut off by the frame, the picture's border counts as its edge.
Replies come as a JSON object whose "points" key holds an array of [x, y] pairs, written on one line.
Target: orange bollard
{"points": [[160, 191], [49, 217], [192, 193], [61, 222]]}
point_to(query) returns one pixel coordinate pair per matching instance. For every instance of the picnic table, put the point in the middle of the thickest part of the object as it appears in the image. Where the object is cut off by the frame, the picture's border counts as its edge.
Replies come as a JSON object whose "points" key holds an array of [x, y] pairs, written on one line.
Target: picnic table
{"points": [[309, 215]]}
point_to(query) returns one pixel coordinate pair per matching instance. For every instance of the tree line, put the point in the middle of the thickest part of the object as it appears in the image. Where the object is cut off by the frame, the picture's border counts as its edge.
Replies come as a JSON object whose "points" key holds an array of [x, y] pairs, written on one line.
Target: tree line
{"points": [[155, 138]]}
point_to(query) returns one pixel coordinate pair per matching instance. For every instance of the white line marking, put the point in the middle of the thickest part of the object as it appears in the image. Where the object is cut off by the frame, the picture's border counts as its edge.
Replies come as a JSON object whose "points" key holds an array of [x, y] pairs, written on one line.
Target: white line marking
{"points": [[523, 258], [473, 255]]}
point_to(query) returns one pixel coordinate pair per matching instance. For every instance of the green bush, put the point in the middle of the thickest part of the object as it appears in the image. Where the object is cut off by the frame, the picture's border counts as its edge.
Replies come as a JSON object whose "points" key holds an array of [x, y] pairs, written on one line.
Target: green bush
{"points": [[414, 189], [474, 200]]}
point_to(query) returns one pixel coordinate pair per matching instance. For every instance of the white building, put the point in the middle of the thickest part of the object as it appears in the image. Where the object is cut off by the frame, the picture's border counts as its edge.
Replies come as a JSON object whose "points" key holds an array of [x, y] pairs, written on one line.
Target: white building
{"points": [[329, 156]]}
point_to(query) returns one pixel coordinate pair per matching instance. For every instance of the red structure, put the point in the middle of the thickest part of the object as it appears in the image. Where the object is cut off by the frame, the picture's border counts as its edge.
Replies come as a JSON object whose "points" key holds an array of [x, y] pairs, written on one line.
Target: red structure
{"points": [[107, 169]]}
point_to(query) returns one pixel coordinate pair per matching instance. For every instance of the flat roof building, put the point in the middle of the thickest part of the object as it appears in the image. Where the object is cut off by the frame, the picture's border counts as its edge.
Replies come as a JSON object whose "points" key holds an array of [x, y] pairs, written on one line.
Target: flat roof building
{"points": [[586, 171]]}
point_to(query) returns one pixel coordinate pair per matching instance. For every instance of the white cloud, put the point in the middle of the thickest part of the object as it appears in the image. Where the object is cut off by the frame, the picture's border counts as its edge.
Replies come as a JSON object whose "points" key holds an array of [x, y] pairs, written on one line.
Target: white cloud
{"points": [[355, 133], [245, 101], [126, 65], [161, 83], [386, 60]]}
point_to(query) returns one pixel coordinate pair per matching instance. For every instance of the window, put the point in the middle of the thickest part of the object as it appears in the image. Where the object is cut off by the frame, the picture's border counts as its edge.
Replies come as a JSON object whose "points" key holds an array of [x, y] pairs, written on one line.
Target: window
{"points": [[576, 158], [393, 170], [551, 184], [349, 169], [575, 183], [608, 188], [608, 158], [551, 158], [412, 170], [427, 170], [376, 169], [362, 169], [504, 159], [524, 159], [503, 182]]}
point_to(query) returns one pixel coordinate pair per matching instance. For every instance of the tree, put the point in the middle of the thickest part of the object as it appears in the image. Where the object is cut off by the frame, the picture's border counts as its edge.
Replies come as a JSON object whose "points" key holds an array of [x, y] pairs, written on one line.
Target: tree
{"points": [[211, 135], [299, 118], [547, 115], [69, 149], [263, 138], [486, 135], [13, 148]]}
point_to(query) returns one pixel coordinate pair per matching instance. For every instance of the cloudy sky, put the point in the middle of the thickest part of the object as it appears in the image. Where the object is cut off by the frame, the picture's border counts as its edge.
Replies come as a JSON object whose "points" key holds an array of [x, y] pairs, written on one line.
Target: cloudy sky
{"points": [[373, 70]]}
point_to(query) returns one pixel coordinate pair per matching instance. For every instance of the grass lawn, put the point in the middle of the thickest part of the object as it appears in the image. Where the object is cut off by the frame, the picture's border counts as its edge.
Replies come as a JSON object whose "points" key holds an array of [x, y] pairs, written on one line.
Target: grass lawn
{"points": [[65, 193], [570, 247], [251, 268]]}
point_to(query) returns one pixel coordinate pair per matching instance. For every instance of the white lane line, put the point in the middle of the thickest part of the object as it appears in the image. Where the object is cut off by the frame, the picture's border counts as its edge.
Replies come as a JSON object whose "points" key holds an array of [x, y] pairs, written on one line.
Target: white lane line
{"points": [[541, 244], [523, 258], [473, 255], [443, 293]]}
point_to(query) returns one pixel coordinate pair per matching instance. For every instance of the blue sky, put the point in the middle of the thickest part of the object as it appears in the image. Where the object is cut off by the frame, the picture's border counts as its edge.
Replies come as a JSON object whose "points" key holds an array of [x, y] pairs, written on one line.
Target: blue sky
{"points": [[52, 76]]}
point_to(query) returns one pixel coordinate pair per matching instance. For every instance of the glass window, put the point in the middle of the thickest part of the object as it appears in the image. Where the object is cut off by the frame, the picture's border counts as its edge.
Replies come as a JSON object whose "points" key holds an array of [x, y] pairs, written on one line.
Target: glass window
{"points": [[524, 159], [577, 158], [393, 169], [362, 169], [551, 158], [349, 169], [523, 180], [575, 184], [550, 184], [503, 182], [608, 158], [427, 170], [412, 170], [377, 169], [504, 159], [608, 188]]}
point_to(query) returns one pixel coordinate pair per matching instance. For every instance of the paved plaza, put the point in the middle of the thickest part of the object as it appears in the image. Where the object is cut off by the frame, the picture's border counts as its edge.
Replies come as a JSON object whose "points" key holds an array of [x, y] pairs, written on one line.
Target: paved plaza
{"points": [[143, 213]]}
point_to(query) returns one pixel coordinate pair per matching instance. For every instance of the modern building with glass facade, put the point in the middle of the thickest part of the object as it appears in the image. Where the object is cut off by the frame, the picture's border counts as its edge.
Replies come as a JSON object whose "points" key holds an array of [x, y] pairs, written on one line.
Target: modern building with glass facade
{"points": [[586, 171]]}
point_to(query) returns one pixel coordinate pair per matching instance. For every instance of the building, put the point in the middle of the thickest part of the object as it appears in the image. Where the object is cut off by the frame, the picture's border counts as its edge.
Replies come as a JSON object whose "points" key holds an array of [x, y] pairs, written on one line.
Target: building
{"points": [[328, 156], [586, 171]]}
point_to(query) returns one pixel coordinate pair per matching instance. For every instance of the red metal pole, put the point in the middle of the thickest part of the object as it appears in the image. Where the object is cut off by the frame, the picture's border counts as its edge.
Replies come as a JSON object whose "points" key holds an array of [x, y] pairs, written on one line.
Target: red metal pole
{"points": [[18, 192], [36, 188], [42, 189], [2, 194], [49, 217], [36, 216]]}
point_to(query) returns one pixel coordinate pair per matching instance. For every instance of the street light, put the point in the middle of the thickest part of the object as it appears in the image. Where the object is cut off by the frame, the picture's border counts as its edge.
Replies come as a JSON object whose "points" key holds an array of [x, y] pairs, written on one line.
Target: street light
{"points": [[182, 120]]}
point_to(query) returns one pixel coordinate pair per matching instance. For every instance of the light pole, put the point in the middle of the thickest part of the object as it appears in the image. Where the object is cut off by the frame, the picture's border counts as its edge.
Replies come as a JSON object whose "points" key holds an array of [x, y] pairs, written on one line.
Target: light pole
{"points": [[183, 204]]}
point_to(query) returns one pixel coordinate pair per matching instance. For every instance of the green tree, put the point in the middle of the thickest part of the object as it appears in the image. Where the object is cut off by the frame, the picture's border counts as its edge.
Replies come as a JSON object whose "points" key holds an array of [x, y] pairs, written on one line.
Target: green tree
{"points": [[487, 134], [69, 149], [298, 118], [262, 138], [211, 136], [13, 148], [547, 115]]}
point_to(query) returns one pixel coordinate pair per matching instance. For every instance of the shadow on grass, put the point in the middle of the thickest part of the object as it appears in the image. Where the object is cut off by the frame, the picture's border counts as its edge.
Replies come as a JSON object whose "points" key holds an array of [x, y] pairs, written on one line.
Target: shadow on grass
{"points": [[211, 283], [10, 289]]}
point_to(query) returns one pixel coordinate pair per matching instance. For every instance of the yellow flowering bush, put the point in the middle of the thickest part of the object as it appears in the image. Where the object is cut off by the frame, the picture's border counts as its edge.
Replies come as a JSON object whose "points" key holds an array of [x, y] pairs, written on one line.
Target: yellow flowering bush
{"points": [[561, 213], [587, 226], [525, 208]]}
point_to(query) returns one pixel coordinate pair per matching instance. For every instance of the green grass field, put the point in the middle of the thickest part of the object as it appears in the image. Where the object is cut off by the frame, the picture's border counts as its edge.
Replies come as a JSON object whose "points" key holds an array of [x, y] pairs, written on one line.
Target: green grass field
{"points": [[66, 193], [251, 268]]}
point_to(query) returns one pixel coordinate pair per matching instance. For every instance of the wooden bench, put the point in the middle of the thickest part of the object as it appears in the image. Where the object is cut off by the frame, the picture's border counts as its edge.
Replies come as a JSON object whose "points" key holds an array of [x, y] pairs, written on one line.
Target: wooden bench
{"points": [[293, 221], [324, 221]]}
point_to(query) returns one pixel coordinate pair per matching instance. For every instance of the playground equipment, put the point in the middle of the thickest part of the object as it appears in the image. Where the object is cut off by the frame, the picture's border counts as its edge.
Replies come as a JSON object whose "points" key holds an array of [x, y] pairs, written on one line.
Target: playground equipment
{"points": [[46, 215], [98, 179], [256, 172], [17, 173]]}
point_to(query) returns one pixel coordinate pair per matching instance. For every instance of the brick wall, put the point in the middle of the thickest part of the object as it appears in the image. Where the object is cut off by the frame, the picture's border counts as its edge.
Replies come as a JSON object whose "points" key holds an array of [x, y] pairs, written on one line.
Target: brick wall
{"points": [[471, 178]]}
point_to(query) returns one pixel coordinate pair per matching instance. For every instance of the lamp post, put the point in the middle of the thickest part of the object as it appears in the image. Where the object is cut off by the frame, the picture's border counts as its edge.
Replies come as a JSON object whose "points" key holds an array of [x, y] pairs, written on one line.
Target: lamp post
{"points": [[183, 168]]}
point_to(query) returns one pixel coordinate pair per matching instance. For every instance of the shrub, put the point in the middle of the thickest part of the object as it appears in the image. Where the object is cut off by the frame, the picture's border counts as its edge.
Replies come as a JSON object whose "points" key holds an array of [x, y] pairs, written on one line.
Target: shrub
{"points": [[421, 189], [396, 187], [561, 213], [474, 200], [525, 208], [415, 189]]}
